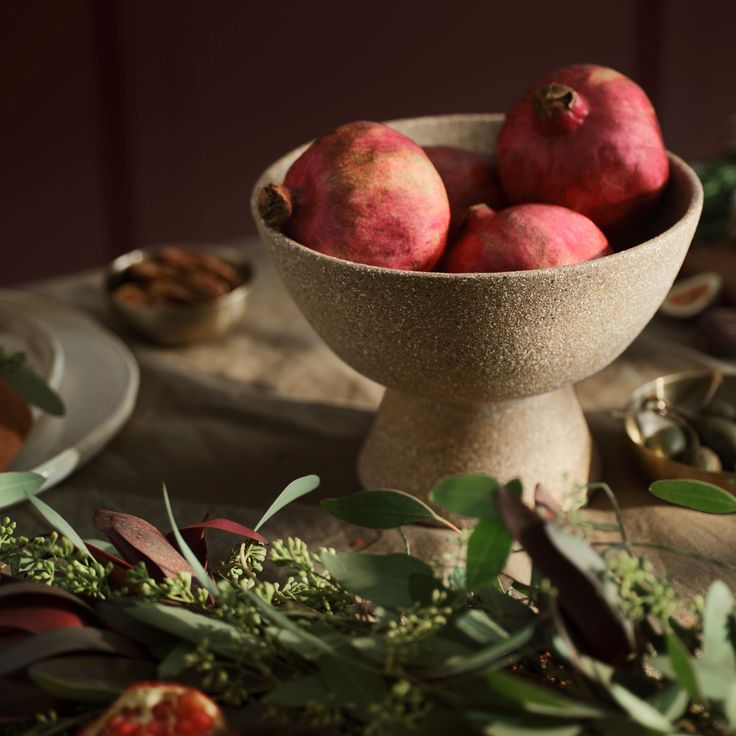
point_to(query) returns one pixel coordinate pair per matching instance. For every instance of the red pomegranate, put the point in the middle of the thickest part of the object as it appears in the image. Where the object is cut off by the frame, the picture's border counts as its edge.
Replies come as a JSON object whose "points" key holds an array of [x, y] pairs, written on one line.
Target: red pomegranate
{"points": [[586, 138], [525, 237], [365, 193], [469, 178], [159, 709]]}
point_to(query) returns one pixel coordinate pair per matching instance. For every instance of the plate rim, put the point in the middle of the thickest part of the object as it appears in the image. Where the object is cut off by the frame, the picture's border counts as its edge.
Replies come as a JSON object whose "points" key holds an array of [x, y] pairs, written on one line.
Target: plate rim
{"points": [[72, 457]]}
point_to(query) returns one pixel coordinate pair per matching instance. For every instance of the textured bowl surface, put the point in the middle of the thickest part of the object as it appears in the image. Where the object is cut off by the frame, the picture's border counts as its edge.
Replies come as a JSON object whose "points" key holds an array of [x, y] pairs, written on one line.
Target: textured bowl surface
{"points": [[487, 337]]}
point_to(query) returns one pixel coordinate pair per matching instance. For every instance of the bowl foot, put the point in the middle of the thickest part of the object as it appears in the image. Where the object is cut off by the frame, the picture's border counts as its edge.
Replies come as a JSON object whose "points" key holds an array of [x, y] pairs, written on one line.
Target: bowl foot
{"points": [[415, 442]]}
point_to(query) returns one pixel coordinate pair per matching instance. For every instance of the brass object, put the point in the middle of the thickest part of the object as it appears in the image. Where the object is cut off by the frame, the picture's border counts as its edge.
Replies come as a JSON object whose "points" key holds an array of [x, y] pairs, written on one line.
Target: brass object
{"points": [[690, 391], [179, 324]]}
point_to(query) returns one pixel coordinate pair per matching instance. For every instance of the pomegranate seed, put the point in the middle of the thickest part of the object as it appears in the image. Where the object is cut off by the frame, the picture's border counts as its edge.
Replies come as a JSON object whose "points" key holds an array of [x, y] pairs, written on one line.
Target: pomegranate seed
{"points": [[156, 728], [188, 703], [129, 729], [115, 721], [162, 710], [203, 720]]}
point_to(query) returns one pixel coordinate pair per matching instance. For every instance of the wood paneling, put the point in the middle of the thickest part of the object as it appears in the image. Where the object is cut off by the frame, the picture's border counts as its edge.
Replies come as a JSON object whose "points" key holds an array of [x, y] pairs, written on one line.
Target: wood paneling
{"points": [[53, 214], [138, 122]]}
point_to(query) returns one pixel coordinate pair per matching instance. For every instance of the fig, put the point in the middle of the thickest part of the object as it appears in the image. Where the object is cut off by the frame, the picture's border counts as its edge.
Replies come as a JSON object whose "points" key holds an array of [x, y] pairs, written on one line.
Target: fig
{"points": [[587, 138], [706, 459], [717, 331], [669, 442], [364, 193], [524, 237], [720, 435], [693, 295], [159, 709]]}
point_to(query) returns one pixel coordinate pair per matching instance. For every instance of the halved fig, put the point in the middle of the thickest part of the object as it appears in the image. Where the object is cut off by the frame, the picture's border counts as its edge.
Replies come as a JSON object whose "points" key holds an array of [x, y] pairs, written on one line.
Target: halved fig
{"points": [[159, 709], [692, 295]]}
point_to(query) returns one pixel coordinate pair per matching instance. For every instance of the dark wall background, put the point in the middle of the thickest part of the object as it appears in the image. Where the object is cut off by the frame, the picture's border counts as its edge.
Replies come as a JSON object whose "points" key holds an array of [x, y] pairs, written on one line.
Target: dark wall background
{"points": [[127, 122]]}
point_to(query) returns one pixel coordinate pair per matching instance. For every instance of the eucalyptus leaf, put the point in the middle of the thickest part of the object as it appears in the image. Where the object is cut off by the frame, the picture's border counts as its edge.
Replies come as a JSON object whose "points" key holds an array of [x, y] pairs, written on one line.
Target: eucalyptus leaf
{"points": [[297, 693], [718, 651], [201, 574], [466, 495], [372, 647], [498, 724], [89, 679], [488, 549], [103, 546], [483, 660], [15, 486], [729, 705], [58, 522], [381, 509], [291, 634], [536, 699], [296, 489], [175, 662], [714, 681], [682, 666], [224, 638], [381, 579], [32, 388], [695, 494], [641, 711], [116, 615], [671, 701], [350, 684], [480, 628], [504, 609]]}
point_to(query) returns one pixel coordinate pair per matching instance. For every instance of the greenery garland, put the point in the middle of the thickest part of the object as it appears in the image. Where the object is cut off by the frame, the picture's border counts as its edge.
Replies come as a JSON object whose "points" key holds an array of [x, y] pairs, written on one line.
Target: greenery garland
{"points": [[360, 643]]}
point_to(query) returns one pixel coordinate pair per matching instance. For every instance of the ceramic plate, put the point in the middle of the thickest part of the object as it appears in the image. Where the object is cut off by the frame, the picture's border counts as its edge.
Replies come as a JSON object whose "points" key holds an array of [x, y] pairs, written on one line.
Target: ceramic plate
{"points": [[20, 333], [98, 384]]}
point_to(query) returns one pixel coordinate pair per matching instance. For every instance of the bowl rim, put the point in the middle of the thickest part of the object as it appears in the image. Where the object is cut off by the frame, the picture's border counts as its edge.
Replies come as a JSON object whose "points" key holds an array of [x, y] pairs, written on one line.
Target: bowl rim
{"points": [[122, 262], [693, 211]]}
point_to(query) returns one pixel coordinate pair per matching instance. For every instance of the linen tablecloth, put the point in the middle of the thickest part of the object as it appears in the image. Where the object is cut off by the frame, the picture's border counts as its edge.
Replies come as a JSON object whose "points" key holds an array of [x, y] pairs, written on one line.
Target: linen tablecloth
{"points": [[227, 424]]}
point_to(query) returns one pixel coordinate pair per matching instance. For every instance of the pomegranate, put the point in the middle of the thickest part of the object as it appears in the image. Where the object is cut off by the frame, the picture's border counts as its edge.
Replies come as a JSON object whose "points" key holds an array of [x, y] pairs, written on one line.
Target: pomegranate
{"points": [[159, 709], [469, 178], [365, 193], [525, 237], [586, 138]]}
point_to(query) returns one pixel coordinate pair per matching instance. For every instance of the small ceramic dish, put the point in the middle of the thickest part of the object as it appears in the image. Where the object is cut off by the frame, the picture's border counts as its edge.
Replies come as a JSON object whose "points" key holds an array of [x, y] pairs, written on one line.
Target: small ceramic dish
{"points": [[651, 408], [179, 323]]}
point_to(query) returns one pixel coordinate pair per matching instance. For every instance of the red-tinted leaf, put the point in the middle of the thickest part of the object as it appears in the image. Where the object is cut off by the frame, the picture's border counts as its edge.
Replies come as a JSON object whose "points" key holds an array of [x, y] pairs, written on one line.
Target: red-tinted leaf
{"points": [[25, 594], [226, 525], [196, 539], [14, 591], [139, 541], [582, 597], [8, 640], [34, 619], [22, 700], [65, 641], [90, 678]]}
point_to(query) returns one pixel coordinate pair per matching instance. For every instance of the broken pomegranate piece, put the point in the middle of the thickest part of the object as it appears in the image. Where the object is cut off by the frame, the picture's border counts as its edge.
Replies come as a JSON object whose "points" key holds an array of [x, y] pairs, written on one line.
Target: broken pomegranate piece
{"points": [[159, 709]]}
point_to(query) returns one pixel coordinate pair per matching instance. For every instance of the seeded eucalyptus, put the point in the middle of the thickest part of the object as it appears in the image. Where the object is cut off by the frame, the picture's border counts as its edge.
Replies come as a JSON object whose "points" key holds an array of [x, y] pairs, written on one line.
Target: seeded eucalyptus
{"points": [[360, 643]]}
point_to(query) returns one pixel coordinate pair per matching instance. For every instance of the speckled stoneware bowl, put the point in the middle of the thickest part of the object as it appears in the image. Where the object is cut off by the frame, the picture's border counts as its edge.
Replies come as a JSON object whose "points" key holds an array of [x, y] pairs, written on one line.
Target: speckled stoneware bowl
{"points": [[479, 368]]}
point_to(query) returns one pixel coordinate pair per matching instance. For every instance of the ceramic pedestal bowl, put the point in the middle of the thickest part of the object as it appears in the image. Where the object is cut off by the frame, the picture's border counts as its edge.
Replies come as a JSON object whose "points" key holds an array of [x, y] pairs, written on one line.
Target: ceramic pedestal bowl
{"points": [[479, 368]]}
